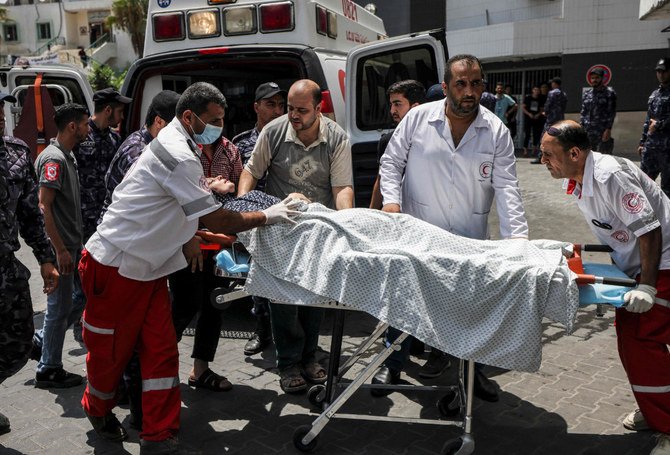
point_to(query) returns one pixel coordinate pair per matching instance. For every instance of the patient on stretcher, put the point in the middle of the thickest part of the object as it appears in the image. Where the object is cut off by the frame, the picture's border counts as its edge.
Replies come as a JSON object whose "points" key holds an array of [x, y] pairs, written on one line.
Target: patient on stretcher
{"points": [[224, 192]]}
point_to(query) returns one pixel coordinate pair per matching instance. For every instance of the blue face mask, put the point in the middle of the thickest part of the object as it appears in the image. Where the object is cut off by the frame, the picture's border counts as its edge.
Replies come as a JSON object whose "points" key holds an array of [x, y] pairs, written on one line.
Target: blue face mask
{"points": [[209, 135]]}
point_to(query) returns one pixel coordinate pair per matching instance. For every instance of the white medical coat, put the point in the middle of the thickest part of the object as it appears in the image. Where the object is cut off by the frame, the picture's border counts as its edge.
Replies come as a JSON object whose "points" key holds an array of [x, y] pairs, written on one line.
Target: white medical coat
{"points": [[453, 187]]}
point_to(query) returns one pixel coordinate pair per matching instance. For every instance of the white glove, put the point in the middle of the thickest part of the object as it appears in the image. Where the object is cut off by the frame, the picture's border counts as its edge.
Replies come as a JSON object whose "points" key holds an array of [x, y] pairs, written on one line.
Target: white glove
{"points": [[640, 299], [281, 212]]}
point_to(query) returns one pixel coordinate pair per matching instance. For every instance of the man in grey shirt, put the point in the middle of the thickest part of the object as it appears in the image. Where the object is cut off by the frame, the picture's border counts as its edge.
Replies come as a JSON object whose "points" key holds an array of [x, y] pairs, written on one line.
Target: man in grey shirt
{"points": [[59, 200], [308, 153]]}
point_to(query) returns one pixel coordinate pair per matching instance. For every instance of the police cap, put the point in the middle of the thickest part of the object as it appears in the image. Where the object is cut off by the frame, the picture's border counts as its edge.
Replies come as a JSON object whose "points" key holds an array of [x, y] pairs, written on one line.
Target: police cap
{"points": [[109, 95], [268, 90], [7, 97], [597, 71], [663, 64]]}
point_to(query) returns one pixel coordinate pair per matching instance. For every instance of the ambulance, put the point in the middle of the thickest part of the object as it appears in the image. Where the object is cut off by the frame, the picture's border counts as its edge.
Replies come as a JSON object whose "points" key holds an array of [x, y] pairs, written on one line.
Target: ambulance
{"points": [[239, 44]]}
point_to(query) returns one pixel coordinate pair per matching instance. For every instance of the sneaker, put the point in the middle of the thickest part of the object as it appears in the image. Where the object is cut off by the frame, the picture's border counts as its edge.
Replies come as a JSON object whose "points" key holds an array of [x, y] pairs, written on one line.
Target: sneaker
{"points": [[169, 446], [437, 363], [108, 427], [635, 421], [57, 378], [4, 424], [662, 444]]}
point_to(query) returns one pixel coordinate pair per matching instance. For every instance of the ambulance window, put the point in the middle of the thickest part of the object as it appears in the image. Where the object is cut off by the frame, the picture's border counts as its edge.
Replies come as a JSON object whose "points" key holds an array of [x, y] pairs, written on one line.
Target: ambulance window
{"points": [[70, 86], [376, 73]]}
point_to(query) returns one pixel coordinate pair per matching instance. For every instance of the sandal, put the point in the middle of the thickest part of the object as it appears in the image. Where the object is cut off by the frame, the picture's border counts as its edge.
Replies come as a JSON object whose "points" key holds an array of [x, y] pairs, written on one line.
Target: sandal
{"points": [[315, 373], [211, 381], [291, 381]]}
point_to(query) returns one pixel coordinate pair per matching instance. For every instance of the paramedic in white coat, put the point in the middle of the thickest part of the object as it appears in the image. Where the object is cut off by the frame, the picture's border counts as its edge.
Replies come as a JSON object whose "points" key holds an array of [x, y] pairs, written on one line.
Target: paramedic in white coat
{"points": [[448, 160]]}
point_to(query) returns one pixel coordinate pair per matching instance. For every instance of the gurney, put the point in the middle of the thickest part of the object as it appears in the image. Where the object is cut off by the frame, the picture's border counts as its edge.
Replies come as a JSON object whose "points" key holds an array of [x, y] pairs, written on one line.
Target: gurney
{"points": [[598, 284]]}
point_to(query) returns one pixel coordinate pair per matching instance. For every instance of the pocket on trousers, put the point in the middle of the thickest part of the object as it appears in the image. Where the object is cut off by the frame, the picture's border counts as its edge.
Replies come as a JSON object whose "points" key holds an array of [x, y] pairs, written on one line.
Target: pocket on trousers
{"points": [[99, 336]]}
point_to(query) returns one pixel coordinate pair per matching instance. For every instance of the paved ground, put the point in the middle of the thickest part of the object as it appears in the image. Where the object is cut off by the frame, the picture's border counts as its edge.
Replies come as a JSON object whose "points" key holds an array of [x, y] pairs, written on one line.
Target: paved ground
{"points": [[573, 405]]}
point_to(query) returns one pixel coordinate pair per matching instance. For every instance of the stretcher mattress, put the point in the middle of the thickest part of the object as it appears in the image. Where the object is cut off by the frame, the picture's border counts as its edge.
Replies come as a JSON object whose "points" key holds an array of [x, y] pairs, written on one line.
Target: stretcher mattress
{"points": [[478, 300]]}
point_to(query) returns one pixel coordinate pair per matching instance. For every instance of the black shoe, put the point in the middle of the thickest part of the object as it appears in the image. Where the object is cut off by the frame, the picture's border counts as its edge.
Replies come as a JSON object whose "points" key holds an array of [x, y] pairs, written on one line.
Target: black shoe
{"points": [[256, 344], [4, 424], [485, 389], [169, 446], [437, 363], [108, 427], [536, 161], [57, 378], [384, 376]]}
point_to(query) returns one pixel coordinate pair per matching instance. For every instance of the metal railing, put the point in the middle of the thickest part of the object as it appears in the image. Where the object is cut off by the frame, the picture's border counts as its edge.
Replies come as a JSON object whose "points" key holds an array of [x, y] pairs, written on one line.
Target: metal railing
{"points": [[106, 38], [53, 41]]}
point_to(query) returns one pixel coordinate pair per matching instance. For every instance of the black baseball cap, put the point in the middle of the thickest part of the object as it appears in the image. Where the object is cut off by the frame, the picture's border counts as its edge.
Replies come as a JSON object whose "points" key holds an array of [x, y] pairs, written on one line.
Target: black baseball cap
{"points": [[598, 71], [7, 97], [662, 64], [556, 80], [109, 95], [268, 90], [164, 104]]}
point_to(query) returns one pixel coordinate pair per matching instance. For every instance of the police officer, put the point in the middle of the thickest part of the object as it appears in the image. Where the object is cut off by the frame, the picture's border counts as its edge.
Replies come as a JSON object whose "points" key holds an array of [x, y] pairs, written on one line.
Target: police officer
{"points": [[655, 142], [598, 112], [554, 107], [19, 212], [95, 154]]}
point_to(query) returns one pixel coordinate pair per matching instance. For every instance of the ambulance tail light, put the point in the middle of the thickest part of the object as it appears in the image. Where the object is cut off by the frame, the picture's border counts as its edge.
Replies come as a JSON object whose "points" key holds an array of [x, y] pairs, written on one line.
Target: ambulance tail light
{"points": [[168, 27], [327, 105], [276, 17], [220, 2], [239, 20], [326, 22]]}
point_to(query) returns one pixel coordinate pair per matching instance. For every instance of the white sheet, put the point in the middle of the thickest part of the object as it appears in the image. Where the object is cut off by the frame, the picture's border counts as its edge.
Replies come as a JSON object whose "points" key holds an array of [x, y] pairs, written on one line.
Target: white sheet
{"points": [[477, 300]]}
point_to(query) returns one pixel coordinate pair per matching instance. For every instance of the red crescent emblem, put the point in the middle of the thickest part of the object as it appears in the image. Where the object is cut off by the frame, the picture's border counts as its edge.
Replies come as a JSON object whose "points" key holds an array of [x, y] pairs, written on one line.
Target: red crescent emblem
{"points": [[51, 171], [633, 202], [620, 236]]}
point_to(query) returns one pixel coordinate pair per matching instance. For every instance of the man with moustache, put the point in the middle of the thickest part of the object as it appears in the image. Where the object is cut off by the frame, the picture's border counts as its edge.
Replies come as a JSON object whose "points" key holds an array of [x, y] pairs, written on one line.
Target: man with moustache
{"points": [[447, 162], [303, 152]]}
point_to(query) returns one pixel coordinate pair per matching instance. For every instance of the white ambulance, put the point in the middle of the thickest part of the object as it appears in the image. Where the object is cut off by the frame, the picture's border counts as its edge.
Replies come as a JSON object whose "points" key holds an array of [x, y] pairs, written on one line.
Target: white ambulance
{"points": [[239, 44]]}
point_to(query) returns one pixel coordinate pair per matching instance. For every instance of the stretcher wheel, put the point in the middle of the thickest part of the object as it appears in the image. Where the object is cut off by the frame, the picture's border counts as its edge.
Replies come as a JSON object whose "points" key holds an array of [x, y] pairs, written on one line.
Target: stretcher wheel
{"points": [[449, 405], [452, 447], [300, 433], [216, 299], [316, 395]]}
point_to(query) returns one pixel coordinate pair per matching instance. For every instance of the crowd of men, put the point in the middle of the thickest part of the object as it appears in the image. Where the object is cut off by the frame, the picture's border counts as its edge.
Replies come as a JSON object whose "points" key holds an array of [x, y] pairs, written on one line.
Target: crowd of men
{"points": [[112, 222]]}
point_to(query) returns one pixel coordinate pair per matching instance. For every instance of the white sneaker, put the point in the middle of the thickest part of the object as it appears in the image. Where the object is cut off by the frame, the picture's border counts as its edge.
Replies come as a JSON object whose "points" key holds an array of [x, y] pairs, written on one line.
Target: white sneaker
{"points": [[662, 444], [635, 421]]}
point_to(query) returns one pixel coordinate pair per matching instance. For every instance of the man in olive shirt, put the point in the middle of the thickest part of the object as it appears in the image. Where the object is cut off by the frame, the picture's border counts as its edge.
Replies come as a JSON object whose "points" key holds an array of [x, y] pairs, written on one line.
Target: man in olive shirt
{"points": [[307, 153]]}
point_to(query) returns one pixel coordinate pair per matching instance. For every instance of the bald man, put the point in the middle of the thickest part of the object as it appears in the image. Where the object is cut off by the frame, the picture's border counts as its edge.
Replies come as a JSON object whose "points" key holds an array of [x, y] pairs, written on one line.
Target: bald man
{"points": [[306, 153]]}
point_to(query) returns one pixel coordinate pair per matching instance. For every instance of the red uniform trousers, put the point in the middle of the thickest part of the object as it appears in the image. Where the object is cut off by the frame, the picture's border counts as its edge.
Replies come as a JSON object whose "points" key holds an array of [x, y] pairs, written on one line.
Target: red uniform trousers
{"points": [[122, 314], [643, 340]]}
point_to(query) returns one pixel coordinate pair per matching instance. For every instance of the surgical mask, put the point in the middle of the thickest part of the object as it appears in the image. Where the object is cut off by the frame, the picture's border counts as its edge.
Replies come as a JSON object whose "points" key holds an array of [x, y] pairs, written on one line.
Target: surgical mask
{"points": [[209, 135]]}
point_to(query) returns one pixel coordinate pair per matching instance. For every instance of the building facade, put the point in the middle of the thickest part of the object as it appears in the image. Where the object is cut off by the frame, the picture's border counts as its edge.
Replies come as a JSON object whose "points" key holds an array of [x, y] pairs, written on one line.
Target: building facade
{"points": [[35, 28]]}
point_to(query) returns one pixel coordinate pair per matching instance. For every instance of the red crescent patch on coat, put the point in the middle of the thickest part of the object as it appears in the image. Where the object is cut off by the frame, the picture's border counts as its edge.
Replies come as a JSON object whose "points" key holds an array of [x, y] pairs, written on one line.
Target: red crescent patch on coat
{"points": [[633, 202]]}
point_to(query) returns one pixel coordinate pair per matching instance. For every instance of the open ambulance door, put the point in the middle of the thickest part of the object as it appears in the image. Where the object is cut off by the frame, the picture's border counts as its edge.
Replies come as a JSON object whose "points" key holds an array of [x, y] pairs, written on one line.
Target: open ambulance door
{"points": [[371, 69]]}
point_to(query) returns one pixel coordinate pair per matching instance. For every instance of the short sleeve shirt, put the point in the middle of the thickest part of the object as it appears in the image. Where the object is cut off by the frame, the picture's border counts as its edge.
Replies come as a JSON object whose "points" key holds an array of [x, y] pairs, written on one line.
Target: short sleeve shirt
{"points": [[312, 170], [57, 169], [155, 209], [621, 204]]}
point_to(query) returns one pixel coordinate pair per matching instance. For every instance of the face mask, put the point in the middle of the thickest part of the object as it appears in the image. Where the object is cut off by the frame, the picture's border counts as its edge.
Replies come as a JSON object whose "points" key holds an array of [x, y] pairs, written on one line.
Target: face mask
{"points": [[209, 135]]}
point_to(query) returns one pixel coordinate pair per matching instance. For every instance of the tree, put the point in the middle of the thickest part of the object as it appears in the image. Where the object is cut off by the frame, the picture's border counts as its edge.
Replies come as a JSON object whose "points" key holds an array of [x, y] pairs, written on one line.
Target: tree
{"points": [[131, 17]]}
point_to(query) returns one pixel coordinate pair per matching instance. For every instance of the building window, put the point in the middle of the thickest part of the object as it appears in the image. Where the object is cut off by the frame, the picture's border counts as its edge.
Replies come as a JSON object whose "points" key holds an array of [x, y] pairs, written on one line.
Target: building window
{"points": [[11, 33], [43, 31]]}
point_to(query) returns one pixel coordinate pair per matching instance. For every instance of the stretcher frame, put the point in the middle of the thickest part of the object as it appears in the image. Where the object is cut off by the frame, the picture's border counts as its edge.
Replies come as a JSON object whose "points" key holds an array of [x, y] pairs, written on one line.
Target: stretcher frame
{"points": [[457, 402]]}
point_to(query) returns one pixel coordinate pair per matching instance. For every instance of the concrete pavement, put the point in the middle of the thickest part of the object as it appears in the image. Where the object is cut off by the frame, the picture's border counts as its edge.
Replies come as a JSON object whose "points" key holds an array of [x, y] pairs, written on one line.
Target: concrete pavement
{"points": [[573, 405]]}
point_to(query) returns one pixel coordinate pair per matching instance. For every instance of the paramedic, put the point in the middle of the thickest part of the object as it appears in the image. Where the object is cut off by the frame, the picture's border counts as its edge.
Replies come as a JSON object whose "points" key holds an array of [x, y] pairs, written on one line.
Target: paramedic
{"points": [[155, 210], [461, 159], [630, 213]]}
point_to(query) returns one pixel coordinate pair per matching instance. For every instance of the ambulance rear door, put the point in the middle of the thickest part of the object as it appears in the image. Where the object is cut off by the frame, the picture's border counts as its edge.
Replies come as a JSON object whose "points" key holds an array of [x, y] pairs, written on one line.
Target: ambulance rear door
{"points": [[371, 69]]}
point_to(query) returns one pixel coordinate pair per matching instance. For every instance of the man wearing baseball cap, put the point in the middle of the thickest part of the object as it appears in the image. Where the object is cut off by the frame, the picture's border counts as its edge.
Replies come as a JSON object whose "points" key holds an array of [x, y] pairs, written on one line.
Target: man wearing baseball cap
{"points": [[655, 142], [269, 102], [598, 112]]}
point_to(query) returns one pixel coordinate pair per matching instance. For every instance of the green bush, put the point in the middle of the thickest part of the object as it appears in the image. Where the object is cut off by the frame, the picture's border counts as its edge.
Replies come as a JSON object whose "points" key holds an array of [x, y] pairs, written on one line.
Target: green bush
{"points": [[102, 76]]}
